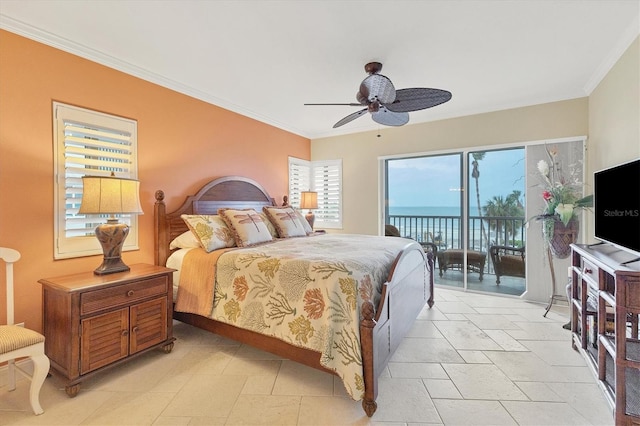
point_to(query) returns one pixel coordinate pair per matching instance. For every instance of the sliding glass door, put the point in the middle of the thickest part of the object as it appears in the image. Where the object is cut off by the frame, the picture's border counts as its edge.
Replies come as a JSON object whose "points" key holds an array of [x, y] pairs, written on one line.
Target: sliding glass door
{"points": [[496, 220], [425, 199], [547, 274]]}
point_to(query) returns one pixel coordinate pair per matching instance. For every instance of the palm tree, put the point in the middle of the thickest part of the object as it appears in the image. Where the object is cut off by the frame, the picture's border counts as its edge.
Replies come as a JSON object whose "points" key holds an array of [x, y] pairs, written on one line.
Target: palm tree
{"points": [[514, 200], [475, 174], [509, 206]]}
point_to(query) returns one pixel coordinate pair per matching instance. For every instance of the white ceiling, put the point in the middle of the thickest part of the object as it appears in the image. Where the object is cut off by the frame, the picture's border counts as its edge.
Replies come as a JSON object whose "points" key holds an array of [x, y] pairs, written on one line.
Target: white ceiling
{"points": [[265, 59]]}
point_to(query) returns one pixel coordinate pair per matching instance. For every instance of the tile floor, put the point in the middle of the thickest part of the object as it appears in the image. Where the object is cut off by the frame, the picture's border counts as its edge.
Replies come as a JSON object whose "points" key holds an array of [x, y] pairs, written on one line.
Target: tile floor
{"points": [[472, 359]]}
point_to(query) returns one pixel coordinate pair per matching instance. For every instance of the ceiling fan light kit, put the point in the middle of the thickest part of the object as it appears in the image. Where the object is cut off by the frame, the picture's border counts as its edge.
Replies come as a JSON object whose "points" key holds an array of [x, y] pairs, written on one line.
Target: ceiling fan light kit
{"points": [[387, 105]]}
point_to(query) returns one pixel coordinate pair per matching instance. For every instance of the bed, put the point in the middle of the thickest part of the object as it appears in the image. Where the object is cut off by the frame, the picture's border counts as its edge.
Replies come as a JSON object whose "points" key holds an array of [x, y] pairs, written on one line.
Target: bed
{"points": [[357, 349]]}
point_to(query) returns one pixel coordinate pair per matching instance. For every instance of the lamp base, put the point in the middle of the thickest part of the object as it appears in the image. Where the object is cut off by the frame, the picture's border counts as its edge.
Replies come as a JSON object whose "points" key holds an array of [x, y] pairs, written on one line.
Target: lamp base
{"points": [[111, 236], [311, 218]]}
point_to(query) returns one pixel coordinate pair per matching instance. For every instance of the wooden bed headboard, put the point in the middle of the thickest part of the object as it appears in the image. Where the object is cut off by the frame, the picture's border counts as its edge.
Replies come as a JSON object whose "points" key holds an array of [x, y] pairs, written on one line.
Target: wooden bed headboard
{"points": [[226, 192]]}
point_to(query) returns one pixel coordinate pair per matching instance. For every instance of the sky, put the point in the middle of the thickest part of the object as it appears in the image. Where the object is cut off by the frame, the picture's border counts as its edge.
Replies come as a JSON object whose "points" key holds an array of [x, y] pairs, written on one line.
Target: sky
{"points": [[435, 180]]}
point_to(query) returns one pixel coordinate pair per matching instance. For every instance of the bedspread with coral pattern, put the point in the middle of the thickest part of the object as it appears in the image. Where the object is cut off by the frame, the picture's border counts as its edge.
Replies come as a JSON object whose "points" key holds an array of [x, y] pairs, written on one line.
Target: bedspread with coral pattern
{"points": [[308, 292]]}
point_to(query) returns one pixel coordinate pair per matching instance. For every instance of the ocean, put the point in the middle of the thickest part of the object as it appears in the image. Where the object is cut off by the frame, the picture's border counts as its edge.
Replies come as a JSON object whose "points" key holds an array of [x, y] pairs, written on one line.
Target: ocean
{"points": [[425, 211]]}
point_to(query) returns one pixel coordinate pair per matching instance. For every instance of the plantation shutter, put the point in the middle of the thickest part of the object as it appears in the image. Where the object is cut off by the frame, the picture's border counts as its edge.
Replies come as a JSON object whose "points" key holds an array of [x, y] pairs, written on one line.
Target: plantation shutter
{"points": [[324, 177], [299, 180], [327, 182], [95, 144]]}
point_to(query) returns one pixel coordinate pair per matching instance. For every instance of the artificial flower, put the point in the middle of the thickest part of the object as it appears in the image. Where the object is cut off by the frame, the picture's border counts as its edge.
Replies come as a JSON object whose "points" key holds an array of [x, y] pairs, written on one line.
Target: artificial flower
{"points": [[565, 211], [562, 189], [543, 168]]}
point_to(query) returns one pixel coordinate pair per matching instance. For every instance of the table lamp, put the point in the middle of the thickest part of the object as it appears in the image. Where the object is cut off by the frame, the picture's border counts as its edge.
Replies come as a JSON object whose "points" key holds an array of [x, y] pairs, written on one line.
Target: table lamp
{"points": [[309, 200], [110, 195]]}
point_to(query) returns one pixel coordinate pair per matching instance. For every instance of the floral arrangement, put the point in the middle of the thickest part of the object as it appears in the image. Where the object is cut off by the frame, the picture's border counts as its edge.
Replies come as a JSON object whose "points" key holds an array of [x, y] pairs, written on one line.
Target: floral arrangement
{"points": [[562, 192]]}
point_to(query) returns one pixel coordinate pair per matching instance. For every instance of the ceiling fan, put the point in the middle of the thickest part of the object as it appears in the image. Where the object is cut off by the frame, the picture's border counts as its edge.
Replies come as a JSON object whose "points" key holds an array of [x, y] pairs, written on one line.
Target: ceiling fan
{"points": [[387, 105]]}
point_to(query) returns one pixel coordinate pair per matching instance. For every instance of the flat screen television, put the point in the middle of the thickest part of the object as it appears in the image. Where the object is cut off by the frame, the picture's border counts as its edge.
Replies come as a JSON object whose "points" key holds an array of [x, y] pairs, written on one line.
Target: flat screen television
{"points": [[616, 199]]}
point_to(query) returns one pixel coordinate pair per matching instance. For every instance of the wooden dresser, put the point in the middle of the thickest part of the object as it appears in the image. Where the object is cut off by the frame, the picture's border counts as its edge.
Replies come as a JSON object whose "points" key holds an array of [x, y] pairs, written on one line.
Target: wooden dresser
{"points": [[605, 305], [93, 322]]}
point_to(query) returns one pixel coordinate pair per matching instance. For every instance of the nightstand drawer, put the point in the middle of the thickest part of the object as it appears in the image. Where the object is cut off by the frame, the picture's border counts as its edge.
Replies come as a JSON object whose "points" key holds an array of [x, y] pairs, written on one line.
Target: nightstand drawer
{"points": [[106, 298]]}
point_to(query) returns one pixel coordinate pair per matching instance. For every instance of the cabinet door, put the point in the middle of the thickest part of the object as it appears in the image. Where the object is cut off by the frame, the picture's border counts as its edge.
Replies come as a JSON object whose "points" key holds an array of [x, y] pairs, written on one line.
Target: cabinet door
{"points": [[148, 324], [105, 339]]}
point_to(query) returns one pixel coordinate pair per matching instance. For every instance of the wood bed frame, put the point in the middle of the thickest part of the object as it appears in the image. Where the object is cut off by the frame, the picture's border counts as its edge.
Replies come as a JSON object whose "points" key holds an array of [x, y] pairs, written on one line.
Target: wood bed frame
{"points": [[409, 286]]}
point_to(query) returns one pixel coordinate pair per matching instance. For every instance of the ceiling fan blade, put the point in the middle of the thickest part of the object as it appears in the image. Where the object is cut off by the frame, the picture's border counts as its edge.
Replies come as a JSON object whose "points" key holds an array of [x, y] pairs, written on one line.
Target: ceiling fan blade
{"points": [[351, 104], [418, 98], [390, 118], [350, 117], [379, 87]]}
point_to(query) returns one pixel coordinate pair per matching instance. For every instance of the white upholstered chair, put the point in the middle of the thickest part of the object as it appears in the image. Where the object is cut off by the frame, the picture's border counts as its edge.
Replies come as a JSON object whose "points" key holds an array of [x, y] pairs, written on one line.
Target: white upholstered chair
{"points": [[19, 342]]}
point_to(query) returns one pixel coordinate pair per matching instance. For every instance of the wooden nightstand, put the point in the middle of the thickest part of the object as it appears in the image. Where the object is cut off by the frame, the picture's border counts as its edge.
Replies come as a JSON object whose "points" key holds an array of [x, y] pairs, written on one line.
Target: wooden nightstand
{"points": [[93, 322]]}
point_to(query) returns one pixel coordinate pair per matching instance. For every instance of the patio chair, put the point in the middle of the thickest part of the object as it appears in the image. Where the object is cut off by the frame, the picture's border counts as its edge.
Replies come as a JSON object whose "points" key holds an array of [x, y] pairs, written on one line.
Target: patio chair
{"points": [[391, 231], [437, 240], [508, 261]]}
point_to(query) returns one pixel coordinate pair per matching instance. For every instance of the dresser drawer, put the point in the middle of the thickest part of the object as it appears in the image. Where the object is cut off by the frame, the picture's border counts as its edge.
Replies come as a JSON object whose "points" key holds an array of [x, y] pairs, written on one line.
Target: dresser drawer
{"points": [[125, 294], [590, 273]]}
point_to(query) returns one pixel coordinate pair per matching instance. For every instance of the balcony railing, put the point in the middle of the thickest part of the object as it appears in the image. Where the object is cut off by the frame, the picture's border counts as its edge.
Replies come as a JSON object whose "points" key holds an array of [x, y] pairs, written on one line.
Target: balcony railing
{"points": [[446, 231]]}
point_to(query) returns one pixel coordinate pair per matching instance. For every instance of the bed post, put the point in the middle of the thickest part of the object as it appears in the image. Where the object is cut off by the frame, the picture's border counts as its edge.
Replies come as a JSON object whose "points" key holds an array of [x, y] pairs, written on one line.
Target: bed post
{"points": [[367, 324], [161, 240]]}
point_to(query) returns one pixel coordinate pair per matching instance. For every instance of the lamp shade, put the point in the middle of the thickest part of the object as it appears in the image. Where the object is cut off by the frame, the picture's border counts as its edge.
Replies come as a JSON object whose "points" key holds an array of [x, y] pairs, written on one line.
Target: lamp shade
{"points": [[110, 195], [308, 200]]}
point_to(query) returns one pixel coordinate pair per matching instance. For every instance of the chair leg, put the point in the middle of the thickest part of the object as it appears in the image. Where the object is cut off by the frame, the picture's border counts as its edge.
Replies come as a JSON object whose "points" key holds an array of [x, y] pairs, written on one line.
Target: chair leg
{"points": [[11, 373], [40, 370]]}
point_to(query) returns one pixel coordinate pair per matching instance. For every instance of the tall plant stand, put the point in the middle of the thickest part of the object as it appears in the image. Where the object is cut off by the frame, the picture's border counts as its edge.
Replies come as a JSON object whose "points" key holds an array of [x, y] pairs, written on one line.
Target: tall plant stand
{"points": [[554, 296], [560, 238]]}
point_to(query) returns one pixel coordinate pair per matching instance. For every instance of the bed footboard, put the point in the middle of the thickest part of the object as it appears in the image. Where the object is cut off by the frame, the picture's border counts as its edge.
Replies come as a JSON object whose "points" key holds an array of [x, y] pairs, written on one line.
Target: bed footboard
{"points": [[410, 286]]}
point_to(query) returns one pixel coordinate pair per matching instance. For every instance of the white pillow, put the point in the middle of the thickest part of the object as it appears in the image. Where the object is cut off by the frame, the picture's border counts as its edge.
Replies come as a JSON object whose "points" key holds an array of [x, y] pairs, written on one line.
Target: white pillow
{"points": [[185, 240], [305, 223], [210, 230], [248, 227]]}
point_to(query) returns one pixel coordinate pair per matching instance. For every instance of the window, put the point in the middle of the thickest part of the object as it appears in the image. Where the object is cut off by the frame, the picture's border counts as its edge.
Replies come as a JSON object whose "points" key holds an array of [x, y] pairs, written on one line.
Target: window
{"points": [[324, 177], [88, 143]]}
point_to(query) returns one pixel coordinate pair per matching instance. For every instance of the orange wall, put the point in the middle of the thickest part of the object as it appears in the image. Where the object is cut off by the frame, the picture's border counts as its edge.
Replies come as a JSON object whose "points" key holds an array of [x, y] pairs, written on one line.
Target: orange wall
{"points": [[182, 144]]}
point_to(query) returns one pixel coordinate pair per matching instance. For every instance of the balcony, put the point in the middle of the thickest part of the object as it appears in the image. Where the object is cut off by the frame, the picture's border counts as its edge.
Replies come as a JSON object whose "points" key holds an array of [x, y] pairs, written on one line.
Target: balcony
{"points": [[483, 232]]}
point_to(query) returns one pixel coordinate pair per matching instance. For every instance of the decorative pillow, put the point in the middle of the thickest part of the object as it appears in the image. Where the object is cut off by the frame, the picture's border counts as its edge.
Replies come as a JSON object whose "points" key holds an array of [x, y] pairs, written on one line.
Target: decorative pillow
{"points": [[185, 240], [211, 231], [270, 227], [286, 221], [305, 223], [247, 225]]}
